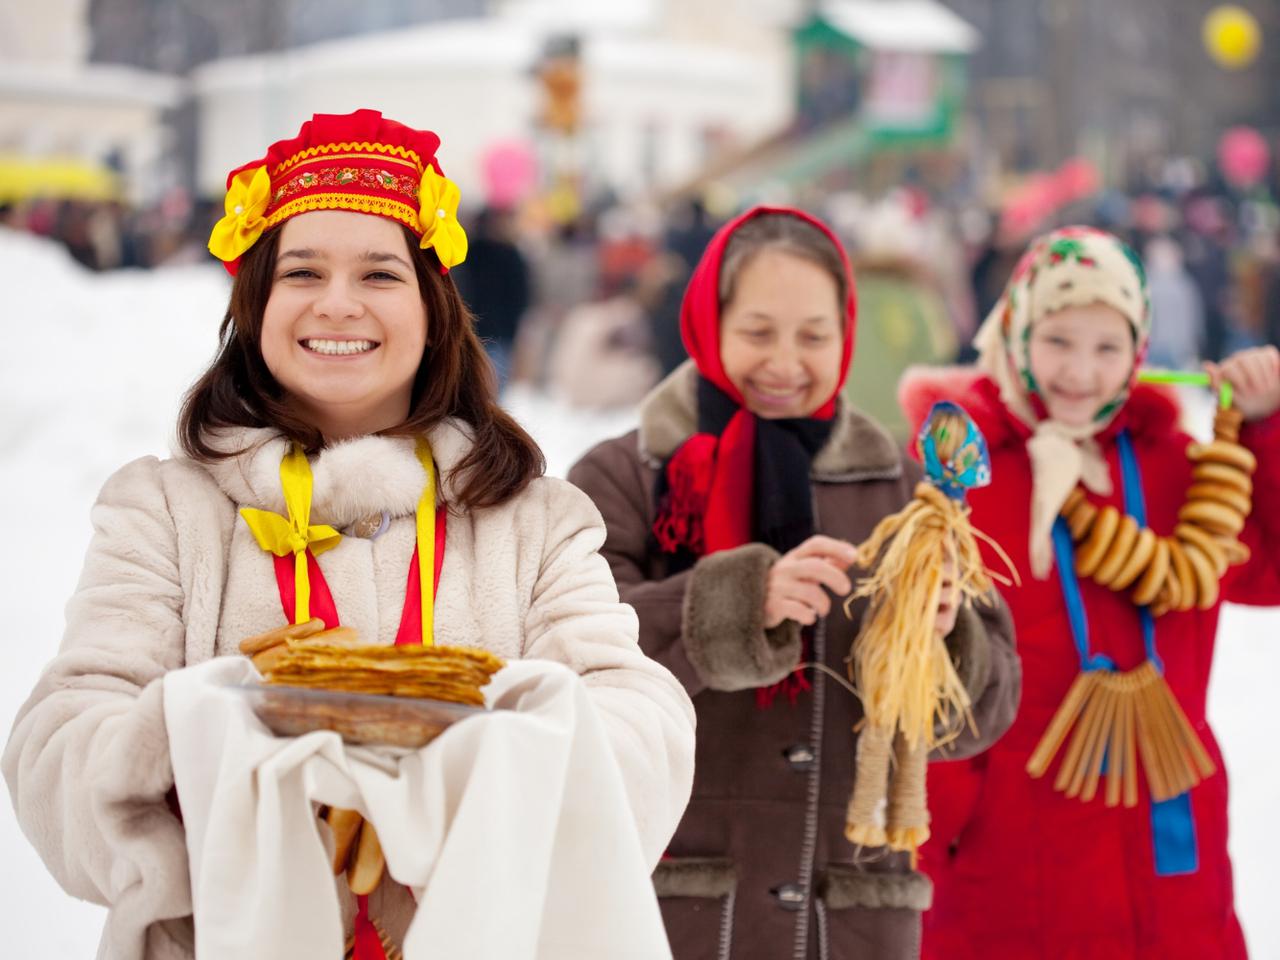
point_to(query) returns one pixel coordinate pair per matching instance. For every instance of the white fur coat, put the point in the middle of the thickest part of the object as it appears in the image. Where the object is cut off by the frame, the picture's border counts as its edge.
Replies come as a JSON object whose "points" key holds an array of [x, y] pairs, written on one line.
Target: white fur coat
{"points": [[174, 577]]}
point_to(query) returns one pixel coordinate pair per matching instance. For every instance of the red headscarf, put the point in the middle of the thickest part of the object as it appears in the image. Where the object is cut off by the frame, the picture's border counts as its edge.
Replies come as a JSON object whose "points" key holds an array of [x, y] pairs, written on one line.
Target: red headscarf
{"points": [[711, 479]]}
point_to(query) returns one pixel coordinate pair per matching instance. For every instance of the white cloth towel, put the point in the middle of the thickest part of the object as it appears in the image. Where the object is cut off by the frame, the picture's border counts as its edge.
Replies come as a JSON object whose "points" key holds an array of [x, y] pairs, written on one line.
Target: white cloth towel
{"points": [[512, 828]]}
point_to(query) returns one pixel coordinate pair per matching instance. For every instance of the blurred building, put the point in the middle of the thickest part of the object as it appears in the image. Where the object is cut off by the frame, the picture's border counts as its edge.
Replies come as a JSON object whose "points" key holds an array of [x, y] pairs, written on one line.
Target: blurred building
{"points": [[660, 91], [653, 108], [1122, 82], [74, 129], [177, 35], [880, 87], [664, 86]]}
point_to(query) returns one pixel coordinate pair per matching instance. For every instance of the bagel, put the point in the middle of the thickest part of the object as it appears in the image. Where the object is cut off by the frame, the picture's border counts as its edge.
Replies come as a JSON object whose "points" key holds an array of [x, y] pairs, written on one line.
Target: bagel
{"points": [[1226, 423], [1181, 570], [1210, 547], [1166, 599], [366, 866], [1220, 473], [1103, 531], [1117, 553], [1140, 554], [1213, 516], [1074, 499], [1221, 493], [1206, 581], [1224, 452], [1237, 553], [1170, 594], [1081, 519], [1156, 576], [345, 825], [273, 638], [1173, 582]]}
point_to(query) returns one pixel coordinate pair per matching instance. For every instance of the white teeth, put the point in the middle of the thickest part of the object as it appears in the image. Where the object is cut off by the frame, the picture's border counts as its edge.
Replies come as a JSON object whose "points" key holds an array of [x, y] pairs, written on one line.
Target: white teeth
{"points": [[337, 348]]}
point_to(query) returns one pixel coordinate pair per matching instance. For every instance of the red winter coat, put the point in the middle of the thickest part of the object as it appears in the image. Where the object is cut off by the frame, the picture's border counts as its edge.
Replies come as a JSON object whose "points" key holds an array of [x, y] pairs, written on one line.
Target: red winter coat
{"points": [[1021, 871]]}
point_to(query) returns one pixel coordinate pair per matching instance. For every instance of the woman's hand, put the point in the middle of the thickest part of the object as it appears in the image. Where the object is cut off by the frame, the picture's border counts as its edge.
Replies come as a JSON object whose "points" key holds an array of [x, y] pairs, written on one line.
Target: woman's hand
{"points": [[1254, 375], [794, 590]]}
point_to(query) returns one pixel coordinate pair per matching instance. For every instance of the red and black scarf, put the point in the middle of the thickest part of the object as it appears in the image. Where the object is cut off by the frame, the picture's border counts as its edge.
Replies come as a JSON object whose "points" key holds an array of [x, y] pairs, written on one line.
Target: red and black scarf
{"points": [[741, 478]]}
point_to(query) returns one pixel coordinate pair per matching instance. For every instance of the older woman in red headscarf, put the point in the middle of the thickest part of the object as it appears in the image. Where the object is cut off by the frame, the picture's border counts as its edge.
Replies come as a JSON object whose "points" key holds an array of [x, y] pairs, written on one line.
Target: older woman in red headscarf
{"points": [[731, 515]]}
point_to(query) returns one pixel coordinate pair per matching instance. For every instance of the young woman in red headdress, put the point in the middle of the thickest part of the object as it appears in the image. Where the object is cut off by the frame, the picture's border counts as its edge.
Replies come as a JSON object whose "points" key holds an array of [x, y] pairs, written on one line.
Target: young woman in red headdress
{"points": [[346, 358], [731, 512]]}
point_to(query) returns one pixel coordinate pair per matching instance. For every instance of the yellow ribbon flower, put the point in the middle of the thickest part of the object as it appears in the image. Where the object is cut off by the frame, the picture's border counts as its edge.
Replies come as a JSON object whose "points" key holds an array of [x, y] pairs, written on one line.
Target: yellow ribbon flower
{"points": [[295, 535], [438, 199], [246, 203]]}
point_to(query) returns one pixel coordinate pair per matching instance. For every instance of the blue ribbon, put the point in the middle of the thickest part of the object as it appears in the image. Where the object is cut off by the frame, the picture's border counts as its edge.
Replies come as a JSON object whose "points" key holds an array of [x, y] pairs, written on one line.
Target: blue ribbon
{"points": [[1173, 829]]}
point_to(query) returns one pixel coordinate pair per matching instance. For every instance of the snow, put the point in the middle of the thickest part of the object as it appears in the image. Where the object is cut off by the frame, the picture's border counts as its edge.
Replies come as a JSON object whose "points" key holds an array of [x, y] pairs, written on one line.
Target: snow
{"points": [[91, 378], [906, 25]]}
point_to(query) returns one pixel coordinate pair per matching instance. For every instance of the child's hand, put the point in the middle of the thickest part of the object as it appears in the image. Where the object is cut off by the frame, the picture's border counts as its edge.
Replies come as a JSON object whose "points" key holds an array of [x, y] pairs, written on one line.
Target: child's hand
{"points": [[795, 587], [948, 600], [1254, 375]]}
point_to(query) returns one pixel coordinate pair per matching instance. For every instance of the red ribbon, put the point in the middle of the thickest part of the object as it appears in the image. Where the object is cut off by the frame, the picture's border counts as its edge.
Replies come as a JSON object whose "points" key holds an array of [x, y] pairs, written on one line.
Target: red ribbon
{"points": [[368, 945]]}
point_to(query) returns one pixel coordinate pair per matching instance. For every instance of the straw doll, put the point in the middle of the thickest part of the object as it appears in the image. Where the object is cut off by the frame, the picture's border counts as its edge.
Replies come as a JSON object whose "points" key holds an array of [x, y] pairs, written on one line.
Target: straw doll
{"points": [[922, 557]]}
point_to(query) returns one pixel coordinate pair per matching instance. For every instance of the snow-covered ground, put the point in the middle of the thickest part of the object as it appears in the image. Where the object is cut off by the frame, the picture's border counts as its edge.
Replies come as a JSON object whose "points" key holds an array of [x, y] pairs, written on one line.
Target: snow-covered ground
{"points": [[91, 378]]}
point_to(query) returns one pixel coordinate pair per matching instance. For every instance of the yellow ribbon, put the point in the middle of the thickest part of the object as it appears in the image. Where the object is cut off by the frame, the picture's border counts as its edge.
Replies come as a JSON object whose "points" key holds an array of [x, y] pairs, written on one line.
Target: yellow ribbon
{"points": [[426, 521], [246, 205], [438, 199], [295, 535]]}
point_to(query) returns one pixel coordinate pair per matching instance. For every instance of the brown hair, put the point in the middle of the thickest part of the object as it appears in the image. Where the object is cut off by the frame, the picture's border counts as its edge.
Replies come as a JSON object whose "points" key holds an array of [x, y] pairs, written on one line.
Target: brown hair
{"points": [[780, 231], [454, 379]]}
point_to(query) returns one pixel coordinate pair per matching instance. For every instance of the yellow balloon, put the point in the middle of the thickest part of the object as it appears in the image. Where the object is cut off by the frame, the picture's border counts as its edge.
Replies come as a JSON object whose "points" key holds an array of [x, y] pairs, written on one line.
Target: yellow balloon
{"points": [[1232, 36]]}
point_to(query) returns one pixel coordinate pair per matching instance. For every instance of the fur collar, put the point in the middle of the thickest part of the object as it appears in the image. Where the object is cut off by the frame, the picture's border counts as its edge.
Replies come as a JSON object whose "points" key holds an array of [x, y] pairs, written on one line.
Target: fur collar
{"points": [[858, 448], [352, 479], [1150, 410]]}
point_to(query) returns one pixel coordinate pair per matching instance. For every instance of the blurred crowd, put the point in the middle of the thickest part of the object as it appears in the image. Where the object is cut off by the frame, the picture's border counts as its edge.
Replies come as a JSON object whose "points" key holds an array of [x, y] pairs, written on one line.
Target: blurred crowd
{"points": [[111, 235], [589, 310]]}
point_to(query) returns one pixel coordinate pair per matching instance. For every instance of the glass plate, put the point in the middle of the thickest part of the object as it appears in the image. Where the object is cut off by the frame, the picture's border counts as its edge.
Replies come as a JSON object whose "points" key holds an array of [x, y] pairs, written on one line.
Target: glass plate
{"points": [[357, 717]]}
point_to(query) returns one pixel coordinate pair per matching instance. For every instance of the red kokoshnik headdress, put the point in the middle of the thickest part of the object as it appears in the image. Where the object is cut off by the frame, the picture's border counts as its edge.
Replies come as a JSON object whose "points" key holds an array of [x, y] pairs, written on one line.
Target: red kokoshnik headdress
{"points": [[354, 161]]}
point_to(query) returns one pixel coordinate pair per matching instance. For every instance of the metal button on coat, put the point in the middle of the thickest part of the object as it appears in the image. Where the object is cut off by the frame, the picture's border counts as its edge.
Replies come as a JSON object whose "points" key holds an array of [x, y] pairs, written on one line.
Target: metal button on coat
{"points": [[370, 527], [790, 896], [800, 756]]}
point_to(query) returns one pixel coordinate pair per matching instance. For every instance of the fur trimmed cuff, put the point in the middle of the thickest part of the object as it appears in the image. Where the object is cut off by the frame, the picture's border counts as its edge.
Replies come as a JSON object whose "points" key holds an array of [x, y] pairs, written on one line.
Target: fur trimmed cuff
{"points": [[724, 634], [707, 877], [970, 649], [844, 887]]}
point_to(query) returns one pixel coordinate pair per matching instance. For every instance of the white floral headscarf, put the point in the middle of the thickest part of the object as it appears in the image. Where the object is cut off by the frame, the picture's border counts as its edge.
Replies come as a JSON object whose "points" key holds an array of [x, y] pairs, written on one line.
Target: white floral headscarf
{"points": [[1073, 266]]}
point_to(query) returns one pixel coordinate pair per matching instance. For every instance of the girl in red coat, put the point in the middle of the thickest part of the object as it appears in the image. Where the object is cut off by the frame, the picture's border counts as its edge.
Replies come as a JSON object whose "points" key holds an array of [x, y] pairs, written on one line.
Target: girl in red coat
{"points": [[1024, 866]]}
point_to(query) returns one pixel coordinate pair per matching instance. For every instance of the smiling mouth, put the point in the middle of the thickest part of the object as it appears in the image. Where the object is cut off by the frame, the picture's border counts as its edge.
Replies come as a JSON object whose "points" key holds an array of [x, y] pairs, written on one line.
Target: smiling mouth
{"points": [[773, 393], [1071, 396], [339, 348]]}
